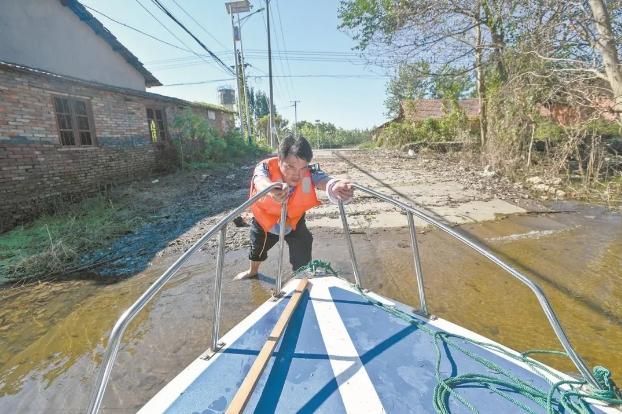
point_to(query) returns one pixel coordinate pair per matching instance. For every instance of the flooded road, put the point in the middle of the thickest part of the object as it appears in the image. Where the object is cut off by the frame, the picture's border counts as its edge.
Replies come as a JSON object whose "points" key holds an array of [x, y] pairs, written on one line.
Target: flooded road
{"points": [[52, 335]]}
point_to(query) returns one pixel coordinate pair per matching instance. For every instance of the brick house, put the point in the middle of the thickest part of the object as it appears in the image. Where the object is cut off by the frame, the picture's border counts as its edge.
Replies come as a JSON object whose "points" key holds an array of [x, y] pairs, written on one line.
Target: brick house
{"points": [[421, 109], [74, 112]]}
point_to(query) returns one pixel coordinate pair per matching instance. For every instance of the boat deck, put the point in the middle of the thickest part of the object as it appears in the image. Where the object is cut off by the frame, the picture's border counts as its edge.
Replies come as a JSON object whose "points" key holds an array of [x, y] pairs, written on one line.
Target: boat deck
{"points": [[341, 354]]}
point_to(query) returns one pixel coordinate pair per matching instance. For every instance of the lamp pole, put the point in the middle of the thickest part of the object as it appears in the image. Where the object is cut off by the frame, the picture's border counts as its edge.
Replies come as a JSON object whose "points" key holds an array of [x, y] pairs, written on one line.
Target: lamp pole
{"points": [[295, 118], [237, 78], [317, 132], [237, 7], [243, 66]]}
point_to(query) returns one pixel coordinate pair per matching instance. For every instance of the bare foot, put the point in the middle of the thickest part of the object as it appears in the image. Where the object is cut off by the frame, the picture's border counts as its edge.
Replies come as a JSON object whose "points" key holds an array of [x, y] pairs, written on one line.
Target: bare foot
{"points": [[245, 275]]}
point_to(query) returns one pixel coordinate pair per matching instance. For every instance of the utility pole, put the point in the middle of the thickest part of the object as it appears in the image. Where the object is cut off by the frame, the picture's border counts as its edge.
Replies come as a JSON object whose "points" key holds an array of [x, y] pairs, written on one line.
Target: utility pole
{"points": [[295, 118], [271, 120], [237, 7], [237, 78], [244, 88], [317, 132]]}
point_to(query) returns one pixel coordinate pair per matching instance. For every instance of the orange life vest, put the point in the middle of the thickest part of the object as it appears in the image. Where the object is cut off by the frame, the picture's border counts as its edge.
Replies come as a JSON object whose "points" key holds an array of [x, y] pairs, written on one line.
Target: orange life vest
{"points": [[267, 211]]}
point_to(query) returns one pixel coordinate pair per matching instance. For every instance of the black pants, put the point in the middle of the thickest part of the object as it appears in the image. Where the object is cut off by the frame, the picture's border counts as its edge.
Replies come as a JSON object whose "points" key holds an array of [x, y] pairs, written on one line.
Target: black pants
{"points": [[300, 242]]}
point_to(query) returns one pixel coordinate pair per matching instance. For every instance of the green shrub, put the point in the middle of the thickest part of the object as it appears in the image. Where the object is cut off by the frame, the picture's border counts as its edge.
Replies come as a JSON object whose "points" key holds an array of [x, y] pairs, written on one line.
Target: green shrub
{"points": [[199, 144], [455, 126]]}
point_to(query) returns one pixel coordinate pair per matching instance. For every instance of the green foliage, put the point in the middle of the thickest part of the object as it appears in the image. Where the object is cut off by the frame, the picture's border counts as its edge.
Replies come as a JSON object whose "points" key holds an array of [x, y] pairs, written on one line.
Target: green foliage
{"points": [[454, 126], [369, 19], [416, 81], [410, 81], [199, 144], [53, 242], [327, 135], [549, 131], [605, 129]]}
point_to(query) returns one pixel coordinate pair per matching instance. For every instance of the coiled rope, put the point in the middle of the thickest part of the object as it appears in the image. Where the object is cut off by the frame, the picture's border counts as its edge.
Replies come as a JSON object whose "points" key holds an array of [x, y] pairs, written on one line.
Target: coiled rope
{"points": [[563, 395]]}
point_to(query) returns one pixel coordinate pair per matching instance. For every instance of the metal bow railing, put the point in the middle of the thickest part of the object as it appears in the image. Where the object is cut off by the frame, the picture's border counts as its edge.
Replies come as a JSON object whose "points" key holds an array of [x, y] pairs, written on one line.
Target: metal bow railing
{"points": [[542, 300], [127, 316], [119, 328]]}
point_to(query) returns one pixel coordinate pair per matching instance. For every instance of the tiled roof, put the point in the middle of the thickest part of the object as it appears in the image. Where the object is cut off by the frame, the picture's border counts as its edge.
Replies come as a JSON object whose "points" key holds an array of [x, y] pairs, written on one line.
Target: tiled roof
{"points": [[418, 110], [114, 43]]}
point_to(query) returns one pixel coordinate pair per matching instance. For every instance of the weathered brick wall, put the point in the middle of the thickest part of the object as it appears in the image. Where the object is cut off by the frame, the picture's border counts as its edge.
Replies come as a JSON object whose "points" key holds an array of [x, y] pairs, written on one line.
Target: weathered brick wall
{"points": [[35, 177], [36, 171]]}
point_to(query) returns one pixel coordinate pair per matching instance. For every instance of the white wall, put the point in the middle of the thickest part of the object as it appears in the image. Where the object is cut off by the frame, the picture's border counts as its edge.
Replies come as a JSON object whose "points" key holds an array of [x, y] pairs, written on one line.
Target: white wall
{"points": [[44, 34]]}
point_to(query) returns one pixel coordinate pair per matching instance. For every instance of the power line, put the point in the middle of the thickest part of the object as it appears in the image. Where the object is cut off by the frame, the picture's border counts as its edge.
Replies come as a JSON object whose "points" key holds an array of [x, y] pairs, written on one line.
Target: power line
{"points": [[289, 69], [265, 22], [136, 30], [200, 82], [182, 62], [332, 76], [290, 53], [168, 30], [199, 24], [286, 88], [212, 54]]}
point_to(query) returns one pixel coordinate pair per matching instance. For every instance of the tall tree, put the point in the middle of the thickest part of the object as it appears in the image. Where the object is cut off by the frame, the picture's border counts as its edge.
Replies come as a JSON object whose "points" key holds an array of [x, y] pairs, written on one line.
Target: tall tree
{"points": [[411, 81], [605, 43]]}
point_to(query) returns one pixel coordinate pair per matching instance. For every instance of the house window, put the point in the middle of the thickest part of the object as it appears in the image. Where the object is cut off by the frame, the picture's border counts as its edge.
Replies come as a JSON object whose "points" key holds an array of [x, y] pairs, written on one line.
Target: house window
{"points": [[156, 124], [75, 123], [211, 115]]}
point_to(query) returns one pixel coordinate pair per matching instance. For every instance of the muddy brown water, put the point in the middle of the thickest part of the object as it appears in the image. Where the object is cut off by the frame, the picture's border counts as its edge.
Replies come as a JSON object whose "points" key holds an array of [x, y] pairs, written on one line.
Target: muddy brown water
{"points": [[52, 335]]}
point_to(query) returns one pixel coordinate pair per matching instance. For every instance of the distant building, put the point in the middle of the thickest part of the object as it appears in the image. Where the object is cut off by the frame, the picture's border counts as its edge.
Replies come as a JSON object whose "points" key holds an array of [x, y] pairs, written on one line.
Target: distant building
{"points": [[421, 109], [74, 112]]}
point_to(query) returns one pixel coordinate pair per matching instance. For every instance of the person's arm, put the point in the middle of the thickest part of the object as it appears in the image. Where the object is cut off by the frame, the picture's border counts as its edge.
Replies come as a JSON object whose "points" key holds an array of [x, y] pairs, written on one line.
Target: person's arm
{"points": [[339, 189], [261, 180], [336, 188], [320, 179]]}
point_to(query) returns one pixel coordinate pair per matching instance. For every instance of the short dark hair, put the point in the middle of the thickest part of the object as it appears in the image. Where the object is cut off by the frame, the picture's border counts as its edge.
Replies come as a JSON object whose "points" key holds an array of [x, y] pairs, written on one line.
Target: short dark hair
{"points": [[296, 146]]}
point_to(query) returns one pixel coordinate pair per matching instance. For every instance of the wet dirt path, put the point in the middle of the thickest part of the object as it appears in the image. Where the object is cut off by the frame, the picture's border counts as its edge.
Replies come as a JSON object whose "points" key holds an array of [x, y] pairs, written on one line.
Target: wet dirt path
{"points": [[52, 335]]}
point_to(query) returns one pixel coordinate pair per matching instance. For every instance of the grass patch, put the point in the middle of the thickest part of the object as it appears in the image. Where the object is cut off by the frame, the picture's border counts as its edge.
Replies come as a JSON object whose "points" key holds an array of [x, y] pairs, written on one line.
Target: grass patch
{"points": [[54, 243]]}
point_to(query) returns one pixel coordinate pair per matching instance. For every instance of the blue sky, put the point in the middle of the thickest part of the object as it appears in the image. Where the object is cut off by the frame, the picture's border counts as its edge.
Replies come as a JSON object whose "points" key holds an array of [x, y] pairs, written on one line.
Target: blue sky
{"points": [[307, 30]]}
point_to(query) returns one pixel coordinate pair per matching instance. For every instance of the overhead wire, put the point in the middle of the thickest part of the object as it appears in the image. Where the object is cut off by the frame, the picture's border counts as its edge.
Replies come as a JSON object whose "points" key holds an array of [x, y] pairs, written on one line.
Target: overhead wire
{"points": [[171, 32], [136, 30], [199, 24], [312, 75], [289, 68], [222, 64], [278, 89], [284, 83]]}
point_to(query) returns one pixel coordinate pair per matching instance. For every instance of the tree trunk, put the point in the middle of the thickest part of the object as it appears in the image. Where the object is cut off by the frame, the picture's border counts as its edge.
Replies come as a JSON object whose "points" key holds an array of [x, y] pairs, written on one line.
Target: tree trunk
{"points": [[495, 26], [606, 46], [481, 82]]}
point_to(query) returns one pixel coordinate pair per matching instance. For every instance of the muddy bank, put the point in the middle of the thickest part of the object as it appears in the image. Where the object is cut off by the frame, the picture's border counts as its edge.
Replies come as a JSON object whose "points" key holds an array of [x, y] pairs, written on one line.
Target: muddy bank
{"points": [[454, 192]]}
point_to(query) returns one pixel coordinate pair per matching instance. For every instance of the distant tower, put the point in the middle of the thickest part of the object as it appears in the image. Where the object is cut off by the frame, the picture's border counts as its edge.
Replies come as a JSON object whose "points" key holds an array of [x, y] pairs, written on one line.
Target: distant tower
{"points": [[226, 95]]}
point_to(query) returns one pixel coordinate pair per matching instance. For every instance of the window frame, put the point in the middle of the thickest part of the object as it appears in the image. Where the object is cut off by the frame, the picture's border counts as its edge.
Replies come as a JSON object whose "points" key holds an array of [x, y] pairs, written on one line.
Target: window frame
{"points": [[77, 142], [162, 134]]}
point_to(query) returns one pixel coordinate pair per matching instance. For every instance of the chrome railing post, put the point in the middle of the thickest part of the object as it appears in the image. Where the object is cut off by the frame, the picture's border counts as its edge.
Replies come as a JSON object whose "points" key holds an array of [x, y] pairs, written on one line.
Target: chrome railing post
{"points": [[124, 320], [218, 290], [346, 231], [283, 223], [542, 300], [417, 260]]}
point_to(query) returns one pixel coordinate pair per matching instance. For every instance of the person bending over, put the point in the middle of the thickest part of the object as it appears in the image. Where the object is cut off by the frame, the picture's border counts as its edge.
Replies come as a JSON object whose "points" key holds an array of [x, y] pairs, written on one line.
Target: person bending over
{"points": [[292, 168]]}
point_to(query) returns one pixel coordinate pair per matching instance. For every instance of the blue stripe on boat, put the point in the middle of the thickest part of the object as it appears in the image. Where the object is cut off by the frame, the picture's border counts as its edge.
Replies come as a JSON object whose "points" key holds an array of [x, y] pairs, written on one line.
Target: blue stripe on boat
{"points": [[399, 358], [298, 377]]}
